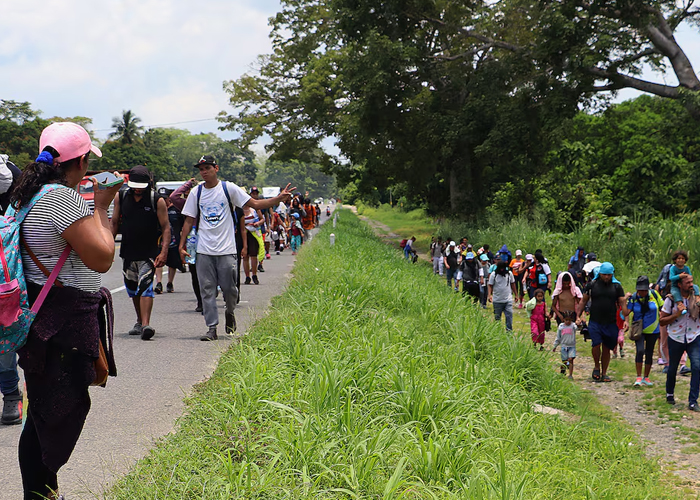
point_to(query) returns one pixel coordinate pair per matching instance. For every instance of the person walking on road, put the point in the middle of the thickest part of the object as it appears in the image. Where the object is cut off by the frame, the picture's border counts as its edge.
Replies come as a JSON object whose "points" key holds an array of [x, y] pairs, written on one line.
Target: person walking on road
{"points": [[211, 207], [683, 331], [501, 291], [173, 261], [606, 295], [64, 339], [140, 215]]}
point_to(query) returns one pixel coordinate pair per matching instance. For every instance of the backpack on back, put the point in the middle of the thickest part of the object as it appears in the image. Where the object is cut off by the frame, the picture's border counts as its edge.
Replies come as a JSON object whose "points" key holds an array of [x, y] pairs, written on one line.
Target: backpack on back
{"points": [[15, 315], [540, 275], [403, 243]]}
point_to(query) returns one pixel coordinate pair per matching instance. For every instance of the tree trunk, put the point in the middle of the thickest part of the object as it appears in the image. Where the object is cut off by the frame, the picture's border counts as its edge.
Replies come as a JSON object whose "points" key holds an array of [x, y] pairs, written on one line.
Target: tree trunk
{"points": [[455, 194]]}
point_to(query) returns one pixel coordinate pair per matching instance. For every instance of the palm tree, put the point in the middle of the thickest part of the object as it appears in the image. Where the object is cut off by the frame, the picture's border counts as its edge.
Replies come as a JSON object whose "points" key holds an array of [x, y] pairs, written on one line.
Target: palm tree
{"points": [[126, 128]]}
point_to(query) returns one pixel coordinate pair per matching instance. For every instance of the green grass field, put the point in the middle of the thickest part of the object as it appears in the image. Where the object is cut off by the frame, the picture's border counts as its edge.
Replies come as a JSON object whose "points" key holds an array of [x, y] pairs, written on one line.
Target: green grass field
{"points": [[369, 379]]}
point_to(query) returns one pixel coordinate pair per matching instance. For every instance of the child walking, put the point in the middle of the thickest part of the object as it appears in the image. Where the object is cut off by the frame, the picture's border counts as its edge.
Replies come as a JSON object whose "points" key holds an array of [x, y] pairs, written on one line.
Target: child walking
{"points": [[297, 231], [566, 337], [537, 310], [622, 327]]}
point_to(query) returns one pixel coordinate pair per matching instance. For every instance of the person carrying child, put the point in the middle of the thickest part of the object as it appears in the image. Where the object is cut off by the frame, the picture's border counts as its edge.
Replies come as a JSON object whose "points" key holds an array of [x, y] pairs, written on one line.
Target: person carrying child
{"points": [[537, 311], [566, 337], [680, 257]]}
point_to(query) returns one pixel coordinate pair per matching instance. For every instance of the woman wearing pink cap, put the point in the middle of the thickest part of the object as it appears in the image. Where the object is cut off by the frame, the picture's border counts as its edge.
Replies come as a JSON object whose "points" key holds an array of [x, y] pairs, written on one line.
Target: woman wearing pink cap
{"points": [[58, 358]]}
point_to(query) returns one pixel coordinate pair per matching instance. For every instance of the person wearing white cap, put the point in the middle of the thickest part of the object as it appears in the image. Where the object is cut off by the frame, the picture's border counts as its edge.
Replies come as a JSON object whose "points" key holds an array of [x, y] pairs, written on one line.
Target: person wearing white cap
{"points": [[517, 266], [451, 260]]}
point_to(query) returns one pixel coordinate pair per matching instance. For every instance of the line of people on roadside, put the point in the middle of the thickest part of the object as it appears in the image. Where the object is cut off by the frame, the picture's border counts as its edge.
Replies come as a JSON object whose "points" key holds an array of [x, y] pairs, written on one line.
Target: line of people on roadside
{"points": [[586, 298]]}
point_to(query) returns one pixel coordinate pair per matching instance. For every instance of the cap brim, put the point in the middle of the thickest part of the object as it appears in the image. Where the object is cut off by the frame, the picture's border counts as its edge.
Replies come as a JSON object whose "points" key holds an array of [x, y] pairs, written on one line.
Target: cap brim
{"points": [[96, 150], [204, 163], [137, 185]]}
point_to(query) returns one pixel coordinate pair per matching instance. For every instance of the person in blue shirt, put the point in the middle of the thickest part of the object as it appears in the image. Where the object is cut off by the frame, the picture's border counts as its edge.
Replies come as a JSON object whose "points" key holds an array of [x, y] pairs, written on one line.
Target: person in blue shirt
{"points": [[644, 305]]}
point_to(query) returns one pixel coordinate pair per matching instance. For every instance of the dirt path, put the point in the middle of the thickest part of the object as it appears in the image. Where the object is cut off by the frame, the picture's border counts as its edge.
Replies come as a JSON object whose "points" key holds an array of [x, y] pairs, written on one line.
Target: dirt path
{"points": [[672, 433]]}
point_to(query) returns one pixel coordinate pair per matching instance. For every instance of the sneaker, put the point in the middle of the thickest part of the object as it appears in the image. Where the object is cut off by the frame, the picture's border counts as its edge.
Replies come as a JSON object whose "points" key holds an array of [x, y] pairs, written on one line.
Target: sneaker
{"points": [[541, 347], [661, 362], [562, 369], [693, 407], [210, 335], [670, 399], [638, 382], [170, 288], [614, 356], [147, 332], [136, 330], [665, 370], [12, 409], [260, 268], [571, 377], [622, 353], [230, 323], [247, 280], [199, 308], [255, 279], [277, 252], [647, 382], [158, 288], [685, 370], [267, 256]]}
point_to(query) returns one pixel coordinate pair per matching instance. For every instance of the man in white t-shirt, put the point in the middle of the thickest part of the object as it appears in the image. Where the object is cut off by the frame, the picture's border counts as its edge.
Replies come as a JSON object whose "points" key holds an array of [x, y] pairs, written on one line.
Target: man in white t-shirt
{"points": [[683, 336], [210, 209], [501, 285]]}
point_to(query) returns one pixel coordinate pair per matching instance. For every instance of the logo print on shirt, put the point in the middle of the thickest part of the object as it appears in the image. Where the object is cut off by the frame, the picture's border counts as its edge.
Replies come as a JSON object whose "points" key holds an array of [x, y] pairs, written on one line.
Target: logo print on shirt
{"points": [[213, 213]]}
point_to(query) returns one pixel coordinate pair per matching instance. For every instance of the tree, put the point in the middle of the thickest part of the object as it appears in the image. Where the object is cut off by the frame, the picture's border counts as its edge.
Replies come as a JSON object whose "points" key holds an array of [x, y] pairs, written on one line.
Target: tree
{"points": [[126, 128]]}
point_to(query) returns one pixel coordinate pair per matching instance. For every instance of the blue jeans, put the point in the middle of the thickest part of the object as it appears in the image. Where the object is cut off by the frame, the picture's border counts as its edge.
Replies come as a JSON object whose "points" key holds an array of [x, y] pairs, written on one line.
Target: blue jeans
{"points": [[675, 351], [499, 308], [9, 377]]}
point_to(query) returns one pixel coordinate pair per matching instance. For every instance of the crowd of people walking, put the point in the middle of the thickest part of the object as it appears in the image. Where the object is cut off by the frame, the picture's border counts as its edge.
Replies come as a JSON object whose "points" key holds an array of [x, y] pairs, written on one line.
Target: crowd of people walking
{"points": [[661, 318], [209, 228]]}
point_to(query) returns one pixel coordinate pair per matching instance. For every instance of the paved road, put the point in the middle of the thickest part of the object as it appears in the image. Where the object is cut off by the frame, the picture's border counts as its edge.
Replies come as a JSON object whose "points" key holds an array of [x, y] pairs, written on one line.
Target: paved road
{"points": [[143, 401]]}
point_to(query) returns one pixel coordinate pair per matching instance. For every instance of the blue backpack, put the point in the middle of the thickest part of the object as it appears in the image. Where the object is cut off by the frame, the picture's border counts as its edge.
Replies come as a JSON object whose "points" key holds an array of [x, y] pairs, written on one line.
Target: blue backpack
{"points": [[15, 315]]}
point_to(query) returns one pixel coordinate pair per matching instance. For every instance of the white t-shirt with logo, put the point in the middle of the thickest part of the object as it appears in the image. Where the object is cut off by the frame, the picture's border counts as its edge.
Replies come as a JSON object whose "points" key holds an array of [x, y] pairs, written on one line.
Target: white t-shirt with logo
{"points": [[215, 234]]}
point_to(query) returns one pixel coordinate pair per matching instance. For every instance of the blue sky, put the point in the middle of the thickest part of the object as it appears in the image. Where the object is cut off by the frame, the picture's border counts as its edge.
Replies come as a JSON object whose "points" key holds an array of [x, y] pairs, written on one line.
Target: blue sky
{"points": [[165, 60]]}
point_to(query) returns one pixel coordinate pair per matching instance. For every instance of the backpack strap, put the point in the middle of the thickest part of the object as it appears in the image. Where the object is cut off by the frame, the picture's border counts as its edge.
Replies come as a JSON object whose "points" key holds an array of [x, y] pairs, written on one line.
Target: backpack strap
{"points": [[22, 212], [36, 261], [49, 282], [230, 205], [199, 212]]}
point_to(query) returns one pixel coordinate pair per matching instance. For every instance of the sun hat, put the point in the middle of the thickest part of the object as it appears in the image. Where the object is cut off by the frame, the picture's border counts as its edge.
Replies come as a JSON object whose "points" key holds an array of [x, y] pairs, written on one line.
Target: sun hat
{"points": [[206, 160], [69, 139], [453, 244], [139, 177], [606, 268], [470, 255], [519, 253], [642, 283]]}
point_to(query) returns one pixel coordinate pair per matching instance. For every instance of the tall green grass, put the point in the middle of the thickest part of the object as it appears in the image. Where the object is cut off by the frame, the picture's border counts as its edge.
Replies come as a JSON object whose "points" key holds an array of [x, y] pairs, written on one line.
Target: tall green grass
{"points": [[370, 380]]}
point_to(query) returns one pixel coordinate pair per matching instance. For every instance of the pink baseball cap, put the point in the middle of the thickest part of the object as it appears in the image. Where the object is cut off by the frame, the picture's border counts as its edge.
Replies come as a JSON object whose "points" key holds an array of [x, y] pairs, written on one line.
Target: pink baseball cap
{"points": [[69, 139]]}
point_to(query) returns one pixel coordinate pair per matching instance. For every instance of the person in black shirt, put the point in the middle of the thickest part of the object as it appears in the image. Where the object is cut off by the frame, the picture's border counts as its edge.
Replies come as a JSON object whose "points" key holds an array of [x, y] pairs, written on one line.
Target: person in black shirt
{"points": [[173, 260], [605, 294], [138, 213]]}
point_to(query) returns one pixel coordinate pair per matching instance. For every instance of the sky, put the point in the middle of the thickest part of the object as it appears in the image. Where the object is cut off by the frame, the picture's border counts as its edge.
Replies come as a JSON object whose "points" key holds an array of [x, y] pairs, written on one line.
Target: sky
{"points": [[165, 60]]}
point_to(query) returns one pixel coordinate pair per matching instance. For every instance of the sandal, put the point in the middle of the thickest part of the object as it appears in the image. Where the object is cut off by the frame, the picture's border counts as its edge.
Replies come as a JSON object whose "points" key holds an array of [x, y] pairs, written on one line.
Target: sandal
{"points": [[606, 379], [596, 374]]}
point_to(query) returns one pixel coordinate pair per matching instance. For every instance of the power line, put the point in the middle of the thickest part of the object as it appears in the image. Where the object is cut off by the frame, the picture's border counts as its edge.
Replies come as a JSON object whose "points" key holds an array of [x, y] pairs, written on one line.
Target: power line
{"points": [[162, 124]]}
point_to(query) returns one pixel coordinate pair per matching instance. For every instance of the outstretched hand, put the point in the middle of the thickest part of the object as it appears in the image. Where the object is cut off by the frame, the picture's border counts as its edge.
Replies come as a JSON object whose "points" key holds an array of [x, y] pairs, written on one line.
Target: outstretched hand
{"points": [[286, 193]]}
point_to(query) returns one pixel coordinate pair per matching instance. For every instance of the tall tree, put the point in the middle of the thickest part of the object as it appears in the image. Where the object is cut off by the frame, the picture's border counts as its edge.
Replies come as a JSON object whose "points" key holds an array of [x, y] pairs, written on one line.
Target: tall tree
{"points": [[126, 128]]}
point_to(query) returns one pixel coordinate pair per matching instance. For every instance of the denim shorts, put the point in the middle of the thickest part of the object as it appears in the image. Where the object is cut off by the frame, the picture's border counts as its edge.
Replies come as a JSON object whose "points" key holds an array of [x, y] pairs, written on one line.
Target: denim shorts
{"points": [[603, 334], [568, 352]]}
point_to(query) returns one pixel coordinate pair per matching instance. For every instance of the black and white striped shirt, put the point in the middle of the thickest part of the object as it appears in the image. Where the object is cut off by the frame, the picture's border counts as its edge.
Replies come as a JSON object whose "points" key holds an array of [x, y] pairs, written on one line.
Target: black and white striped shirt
{"points": [[42, 229]]}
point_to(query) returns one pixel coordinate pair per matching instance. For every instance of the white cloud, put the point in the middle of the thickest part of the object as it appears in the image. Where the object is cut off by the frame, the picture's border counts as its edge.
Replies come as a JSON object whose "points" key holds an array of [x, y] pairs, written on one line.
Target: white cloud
{"points": [[165, 60]]}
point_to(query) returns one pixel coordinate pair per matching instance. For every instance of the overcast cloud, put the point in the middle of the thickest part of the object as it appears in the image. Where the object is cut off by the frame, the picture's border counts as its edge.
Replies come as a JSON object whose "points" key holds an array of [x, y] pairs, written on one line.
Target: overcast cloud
{"points": [[164, 60]]}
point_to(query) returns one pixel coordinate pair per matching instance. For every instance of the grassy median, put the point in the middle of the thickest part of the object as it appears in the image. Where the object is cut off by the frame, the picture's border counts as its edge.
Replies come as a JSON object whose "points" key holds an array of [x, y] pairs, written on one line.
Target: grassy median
{"points": [[369, 379]]}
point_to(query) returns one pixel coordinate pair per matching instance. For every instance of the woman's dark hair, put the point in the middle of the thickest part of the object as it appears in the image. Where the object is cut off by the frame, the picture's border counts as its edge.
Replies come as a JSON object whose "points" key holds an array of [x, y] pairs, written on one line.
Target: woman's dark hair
{"points": [[501, 268], [679, 253], [37, 174]]}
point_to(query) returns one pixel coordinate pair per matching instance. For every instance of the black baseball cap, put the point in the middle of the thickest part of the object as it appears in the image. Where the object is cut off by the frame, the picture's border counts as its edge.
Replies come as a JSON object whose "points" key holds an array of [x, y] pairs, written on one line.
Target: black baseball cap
{"points": [[139, 177], [206, 160], [642, 283], [163, 191]]}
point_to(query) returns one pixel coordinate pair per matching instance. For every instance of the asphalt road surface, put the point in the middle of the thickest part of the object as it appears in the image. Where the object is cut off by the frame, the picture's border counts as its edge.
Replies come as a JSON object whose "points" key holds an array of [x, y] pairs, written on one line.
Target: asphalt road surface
{"points": [[142, 403]]}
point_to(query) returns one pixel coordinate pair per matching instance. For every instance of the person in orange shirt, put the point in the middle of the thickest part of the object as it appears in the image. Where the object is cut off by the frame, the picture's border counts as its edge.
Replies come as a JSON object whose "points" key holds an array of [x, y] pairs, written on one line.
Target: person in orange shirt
{"points": [[518, 265], [307, 221]]}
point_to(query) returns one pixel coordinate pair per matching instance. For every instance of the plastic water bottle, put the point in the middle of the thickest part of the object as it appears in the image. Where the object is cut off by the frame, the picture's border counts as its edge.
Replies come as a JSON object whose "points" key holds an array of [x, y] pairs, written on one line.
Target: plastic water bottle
{"points": [[332, 239], [191, 247]]}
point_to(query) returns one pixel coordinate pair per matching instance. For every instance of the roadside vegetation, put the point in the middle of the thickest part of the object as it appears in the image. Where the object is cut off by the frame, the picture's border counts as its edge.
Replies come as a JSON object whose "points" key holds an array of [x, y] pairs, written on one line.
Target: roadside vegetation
{"points": [[369, 379]]}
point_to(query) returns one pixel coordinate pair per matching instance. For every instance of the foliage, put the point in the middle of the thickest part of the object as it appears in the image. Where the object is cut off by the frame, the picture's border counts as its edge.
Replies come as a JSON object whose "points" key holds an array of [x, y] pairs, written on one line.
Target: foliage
{"points": [[307, 177], [357, 386], [126, 128]]}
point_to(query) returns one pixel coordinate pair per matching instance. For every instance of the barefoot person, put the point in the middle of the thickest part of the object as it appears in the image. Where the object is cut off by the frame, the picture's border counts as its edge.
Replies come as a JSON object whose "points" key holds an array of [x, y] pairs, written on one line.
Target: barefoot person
{"points": [[211, 207], [605, 294]]}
